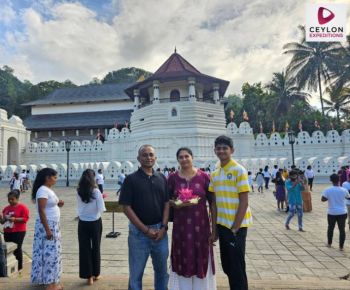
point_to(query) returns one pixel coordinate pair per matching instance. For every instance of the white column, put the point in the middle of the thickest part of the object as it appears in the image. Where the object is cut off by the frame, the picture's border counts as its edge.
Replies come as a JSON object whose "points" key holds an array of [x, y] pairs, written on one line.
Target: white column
{"points": [[77, 133], [49, 134], [155, 92], [63, 133], [136, 99], [106, 133], [192, 89], [36, 134], [91, 132], [216, 95]]}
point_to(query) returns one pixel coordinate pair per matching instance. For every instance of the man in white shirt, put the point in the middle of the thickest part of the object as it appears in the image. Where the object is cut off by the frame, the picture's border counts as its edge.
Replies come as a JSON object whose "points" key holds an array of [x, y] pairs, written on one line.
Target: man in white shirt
{"points": [[346, 185], [309, 174], [274, 171], [337, 213], [100, 180], [22, 178]]}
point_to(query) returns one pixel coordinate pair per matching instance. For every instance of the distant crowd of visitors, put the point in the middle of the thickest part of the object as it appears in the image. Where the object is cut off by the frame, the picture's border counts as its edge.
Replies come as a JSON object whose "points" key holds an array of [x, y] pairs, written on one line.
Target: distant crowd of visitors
{"points": [[204, 206]]}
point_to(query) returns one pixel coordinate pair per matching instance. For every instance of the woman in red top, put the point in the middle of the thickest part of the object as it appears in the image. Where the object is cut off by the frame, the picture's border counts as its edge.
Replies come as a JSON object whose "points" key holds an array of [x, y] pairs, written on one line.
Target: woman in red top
{"points": [[14, 217]]}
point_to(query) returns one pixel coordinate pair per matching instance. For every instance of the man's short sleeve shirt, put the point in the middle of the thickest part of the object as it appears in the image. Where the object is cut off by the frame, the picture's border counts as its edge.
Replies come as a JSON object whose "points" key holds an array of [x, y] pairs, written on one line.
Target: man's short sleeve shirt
{"points": [[227, 183]]}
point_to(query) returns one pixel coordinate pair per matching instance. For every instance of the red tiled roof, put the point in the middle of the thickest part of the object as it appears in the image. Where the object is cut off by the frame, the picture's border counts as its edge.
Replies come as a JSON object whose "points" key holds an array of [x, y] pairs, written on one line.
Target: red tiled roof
{"points": [[176, 68], [176, 64]]}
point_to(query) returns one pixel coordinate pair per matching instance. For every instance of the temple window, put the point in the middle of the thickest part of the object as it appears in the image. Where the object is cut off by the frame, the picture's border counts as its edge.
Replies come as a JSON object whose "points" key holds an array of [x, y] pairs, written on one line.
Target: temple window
{"points": [[173, 112], [174, 96]]}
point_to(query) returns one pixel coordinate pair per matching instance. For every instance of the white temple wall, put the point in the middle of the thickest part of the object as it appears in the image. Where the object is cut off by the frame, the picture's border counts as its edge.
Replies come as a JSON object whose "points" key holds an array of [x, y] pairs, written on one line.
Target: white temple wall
{"points": [[82, 108], [325, 152], [13, 139]]}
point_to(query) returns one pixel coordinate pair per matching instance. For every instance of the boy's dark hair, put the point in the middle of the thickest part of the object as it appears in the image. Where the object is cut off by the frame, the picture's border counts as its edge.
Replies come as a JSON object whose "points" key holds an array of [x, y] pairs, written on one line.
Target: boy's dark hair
{"points": [[249, 173], [14, 193], [223, 140], [99, 171], [334, 178]]}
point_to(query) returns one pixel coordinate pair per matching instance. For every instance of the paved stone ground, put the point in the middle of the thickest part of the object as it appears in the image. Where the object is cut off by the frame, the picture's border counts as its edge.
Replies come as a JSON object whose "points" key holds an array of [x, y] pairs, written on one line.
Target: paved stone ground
{"points": [[276, 258]]}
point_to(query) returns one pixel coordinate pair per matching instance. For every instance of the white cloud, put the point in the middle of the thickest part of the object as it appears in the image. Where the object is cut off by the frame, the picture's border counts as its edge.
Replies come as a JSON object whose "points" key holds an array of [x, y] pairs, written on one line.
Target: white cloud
{"points": [[240, 41], [8, 14]]}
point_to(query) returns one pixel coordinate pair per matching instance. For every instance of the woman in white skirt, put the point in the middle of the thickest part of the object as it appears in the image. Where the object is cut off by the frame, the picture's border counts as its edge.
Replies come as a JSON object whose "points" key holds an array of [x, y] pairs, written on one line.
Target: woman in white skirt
{"points": [[46, 264]]}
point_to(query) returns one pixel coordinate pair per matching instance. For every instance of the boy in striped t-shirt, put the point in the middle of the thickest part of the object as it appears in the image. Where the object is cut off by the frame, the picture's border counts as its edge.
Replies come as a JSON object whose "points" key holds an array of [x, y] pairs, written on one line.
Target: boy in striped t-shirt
{"points": [[230, 184]]}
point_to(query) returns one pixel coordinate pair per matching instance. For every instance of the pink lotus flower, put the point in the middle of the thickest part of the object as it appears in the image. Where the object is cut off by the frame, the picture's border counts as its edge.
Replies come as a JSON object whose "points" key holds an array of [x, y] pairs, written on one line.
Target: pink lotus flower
{"points": [[186, 194]]}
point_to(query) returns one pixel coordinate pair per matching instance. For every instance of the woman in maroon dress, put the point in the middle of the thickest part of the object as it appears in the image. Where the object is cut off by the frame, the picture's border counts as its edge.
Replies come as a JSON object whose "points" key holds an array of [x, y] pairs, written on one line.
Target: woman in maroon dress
{"points": [[192, 259]]}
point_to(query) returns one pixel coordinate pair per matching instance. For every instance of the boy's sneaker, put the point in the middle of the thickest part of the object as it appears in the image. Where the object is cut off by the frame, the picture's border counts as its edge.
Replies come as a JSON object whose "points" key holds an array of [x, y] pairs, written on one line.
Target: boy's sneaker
{"points": [[301, 230], [287, 227]]}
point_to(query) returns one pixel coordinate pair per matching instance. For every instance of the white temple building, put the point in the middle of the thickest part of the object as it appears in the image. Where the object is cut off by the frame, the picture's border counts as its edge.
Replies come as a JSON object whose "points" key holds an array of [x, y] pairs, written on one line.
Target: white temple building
{"points": [[177, 106]]}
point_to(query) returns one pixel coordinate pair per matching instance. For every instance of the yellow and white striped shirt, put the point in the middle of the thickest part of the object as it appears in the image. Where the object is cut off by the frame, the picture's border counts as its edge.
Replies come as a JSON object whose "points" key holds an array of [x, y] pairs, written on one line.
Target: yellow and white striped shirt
{"points": [[227, 183]]}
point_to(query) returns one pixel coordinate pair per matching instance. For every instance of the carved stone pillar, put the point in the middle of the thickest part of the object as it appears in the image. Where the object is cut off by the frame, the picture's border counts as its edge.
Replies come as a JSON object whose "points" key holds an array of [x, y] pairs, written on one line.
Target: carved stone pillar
{"points": [[192, 89], [156, 92], [136, 99], [216, 95]]}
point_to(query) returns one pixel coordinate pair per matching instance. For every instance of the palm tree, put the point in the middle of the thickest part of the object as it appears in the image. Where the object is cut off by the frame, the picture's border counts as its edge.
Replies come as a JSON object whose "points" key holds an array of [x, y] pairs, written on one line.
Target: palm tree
{"points": [[284, 88], [311, 62], [339, 99], [341, 73]]}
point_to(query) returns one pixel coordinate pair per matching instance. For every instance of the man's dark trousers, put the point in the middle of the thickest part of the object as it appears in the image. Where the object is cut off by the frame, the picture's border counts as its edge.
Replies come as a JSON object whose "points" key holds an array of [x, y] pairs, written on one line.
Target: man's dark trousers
{"points": [[232, 252]]}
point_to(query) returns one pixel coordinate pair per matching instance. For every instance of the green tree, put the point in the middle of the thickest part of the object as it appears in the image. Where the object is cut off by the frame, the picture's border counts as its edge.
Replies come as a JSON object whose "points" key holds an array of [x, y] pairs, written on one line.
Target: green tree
{"points": [[234, 103], [283, 87], [259, 105], [341, 72], [339, 101], [312, 62], [125, 75]]}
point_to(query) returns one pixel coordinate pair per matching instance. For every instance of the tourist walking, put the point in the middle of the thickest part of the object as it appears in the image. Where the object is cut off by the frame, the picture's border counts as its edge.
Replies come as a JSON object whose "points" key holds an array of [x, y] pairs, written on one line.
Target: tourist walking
{"points": [[267, 176], [15, 182], [90, 206], [343, 174], [280, 191], [121, 178], [274, 171], [100, 180], [250, 180], [145, 199], [22, 178], [259, 178], [294, 185], [229, 182], [46, 258], [309, 174], [346, 185], [14, 218], [192, 257], [337, 213]]}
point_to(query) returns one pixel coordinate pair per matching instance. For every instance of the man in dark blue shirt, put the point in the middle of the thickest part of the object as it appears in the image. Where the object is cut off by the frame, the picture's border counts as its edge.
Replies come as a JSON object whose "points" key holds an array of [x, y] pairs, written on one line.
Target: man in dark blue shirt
{"points": [[145, 198]]}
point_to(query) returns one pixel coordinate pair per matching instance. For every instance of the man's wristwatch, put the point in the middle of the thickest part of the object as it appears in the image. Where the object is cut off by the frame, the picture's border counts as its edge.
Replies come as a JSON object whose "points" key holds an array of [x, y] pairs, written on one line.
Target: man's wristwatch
{"points": [[164, 226]]}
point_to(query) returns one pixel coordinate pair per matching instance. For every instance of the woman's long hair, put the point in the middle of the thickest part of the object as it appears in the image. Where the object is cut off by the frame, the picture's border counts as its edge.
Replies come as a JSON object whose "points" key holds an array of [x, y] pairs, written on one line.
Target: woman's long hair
{"points": [[40, 179], [86, 186]]}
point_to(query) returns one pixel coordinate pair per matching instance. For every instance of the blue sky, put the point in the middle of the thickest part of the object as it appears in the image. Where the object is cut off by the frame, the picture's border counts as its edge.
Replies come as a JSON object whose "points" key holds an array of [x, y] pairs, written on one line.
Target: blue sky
{"points": [[78, 40]]}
